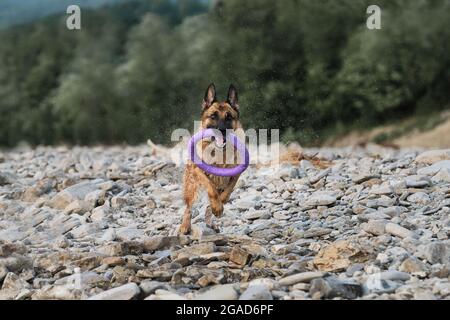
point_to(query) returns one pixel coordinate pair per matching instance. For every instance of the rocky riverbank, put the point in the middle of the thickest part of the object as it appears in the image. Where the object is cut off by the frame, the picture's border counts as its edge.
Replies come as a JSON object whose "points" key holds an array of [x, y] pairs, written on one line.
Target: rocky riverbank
{"points": [[100, 223]]}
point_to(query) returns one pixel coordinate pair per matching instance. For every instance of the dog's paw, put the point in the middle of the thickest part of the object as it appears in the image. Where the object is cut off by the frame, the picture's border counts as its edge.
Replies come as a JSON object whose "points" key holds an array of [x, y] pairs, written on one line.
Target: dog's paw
{"points": [[184, 229], [217, 209]]}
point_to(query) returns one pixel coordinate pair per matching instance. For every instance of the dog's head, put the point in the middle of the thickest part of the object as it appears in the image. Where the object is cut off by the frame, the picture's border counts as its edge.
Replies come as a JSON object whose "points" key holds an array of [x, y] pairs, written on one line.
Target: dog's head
{"points": [[220, 115]]}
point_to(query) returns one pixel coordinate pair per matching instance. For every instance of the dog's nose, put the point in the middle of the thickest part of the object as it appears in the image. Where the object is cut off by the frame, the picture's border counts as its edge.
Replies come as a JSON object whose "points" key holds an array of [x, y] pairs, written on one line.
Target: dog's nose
{"points": [[222, 127]]}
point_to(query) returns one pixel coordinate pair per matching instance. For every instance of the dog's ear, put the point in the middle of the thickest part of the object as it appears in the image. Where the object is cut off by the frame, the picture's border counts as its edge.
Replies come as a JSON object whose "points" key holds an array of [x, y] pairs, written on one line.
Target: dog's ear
{"points": [[210, 96], [232, 98]]}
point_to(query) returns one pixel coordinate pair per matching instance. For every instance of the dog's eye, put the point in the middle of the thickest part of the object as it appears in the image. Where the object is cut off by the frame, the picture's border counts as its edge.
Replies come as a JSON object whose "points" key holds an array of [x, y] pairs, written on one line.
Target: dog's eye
{"points": [[229, 117], [213, 116]]}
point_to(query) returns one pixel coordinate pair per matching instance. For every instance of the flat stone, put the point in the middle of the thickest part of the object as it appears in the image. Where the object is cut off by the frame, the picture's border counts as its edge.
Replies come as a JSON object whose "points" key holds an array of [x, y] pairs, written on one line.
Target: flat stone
{"points": [[433, 156], [332, 287], [13, 282], [363, 177], [7, 178], [199, 231], [113, 261], [101, 213], [375, 227], [413, 266], [419, 198], [72, 193], [194, 250], [149, 286], [320, 175], [163, 242], [435, 168], [83, 280], [320, 199], [57, 292], [398, 231], [256, 292], [442, 176], [161, 294], [258, 214], [125, 292], [219, 292], [78, 207], [301, 277], [239, 256], [435, 252], [339, 255]]}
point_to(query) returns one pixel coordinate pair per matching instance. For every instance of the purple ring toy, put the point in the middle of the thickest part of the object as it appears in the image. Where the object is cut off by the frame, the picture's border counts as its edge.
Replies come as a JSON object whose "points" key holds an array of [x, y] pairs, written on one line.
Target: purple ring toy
{"points": [[223, 172]]}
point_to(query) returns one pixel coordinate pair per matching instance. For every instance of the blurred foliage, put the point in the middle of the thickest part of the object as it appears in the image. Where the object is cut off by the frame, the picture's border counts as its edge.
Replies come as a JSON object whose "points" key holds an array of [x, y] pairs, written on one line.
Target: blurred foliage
{"points": [[138, 69]]}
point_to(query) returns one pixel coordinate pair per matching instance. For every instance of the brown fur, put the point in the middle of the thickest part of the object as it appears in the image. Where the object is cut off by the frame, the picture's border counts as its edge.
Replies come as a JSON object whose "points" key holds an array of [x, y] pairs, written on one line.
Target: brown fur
{"points": [[214, 115]]}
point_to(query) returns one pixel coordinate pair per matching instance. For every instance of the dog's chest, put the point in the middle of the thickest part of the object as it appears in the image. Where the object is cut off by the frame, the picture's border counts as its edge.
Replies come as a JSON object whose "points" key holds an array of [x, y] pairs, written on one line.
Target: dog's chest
{"points": [[219, 182], [219, 157]]}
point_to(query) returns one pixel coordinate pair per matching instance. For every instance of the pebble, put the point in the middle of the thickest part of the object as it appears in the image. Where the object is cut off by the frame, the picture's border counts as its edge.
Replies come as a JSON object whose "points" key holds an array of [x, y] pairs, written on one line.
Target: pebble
{"points": [[256, 292], [433, 156], [125, 292], [332, 287], [301, 277], [320, 199], [219, 292], [398, 231]]}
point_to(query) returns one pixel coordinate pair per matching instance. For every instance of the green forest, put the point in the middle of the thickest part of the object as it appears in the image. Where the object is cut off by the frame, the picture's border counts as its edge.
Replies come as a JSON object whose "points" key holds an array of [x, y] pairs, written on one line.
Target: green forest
{"points": [[138, 69]]}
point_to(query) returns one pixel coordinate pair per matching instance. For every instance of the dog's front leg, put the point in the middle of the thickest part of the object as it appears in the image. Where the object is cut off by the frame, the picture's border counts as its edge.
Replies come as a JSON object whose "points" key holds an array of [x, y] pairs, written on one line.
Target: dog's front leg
{"points": [[213, 195], [190, 195], [226, 193]]}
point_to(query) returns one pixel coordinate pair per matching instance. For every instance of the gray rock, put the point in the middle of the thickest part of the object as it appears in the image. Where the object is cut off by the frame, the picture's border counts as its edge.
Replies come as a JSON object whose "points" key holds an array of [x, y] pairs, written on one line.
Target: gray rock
{"points": [[199, 231], [16, 263], [13, 282], [419, 198], [320, 199], [433, 156], [375, 227], [442, 176], [414, 266], [331, 287], [219, 292], [7, 178], [126, 292], [319, 176], [101, 213], [148, 287], [354, 268], [363, 177], [256, 292], [75, 192], [84, 230], [82, 280], [435, 168], [301, 277], [398, 231], [435, 252]]}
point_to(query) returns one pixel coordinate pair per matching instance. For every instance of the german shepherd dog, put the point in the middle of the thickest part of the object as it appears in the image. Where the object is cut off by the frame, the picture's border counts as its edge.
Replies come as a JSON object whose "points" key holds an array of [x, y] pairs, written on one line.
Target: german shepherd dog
{"points": [[223, 116]]}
